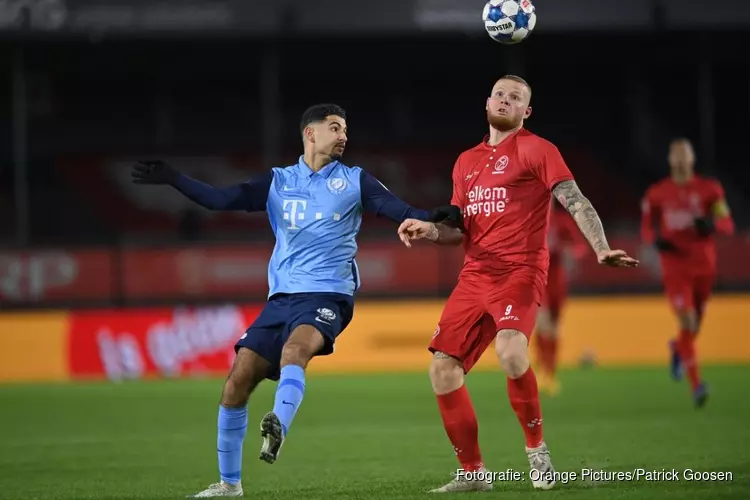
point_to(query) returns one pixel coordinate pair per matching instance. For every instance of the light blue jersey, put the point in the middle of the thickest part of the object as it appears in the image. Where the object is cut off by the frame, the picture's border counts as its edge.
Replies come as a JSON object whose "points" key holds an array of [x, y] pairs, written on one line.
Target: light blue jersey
{"points": [[315, 216]]}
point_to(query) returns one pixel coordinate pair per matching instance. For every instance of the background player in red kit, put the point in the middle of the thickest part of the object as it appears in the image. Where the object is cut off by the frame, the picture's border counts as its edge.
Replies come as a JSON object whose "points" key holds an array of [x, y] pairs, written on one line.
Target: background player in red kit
{"points": [[680, 214], [563, 239], [501, 196]]}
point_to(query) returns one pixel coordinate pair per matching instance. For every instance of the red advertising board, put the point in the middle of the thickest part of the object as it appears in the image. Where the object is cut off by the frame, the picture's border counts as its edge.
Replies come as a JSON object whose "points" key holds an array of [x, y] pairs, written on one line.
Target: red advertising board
{"points": [[239, 272], [243, 270], [226, 271], [155, 342], [56, 275]]}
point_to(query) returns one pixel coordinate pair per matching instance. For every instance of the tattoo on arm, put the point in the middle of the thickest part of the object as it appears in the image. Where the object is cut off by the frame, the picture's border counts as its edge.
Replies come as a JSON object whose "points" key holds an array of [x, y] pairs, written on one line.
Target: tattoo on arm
{"points": [[569, 195], [446, 235]]}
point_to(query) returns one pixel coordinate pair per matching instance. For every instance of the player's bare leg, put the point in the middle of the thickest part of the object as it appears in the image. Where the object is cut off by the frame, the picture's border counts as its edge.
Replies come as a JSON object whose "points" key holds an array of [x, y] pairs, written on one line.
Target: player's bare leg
{"points": [[304, 342], [248, 370], [685, 348], [512, 350], [460, 421], [546, 341]]}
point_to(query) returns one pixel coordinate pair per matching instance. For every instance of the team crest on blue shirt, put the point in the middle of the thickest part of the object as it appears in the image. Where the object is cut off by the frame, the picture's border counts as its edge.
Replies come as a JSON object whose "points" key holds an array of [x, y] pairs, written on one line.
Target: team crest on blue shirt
{"points": [[336, 185]]}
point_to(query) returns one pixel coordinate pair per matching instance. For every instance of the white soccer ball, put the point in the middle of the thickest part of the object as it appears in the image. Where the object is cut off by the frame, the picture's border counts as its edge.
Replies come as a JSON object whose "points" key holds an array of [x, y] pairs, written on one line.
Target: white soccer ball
{"points": [[509, 21]]}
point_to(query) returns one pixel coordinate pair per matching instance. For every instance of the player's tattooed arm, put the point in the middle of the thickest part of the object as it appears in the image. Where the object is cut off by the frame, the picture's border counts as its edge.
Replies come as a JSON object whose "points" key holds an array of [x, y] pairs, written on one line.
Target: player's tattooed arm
{"points": [[443, 234], [570, 196]]}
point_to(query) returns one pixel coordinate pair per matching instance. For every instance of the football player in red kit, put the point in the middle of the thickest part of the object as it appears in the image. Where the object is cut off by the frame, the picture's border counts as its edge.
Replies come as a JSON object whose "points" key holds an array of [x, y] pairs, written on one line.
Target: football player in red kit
{"points": [[680, 215], [501, 203], [563, 239]]}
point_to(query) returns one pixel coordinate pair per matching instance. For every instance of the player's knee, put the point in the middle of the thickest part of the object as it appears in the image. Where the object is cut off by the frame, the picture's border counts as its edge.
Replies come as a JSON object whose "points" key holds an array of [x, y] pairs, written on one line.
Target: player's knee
{"points": [[296, 353], [552, 332], [248, 370], [515, 362], [302, 345], [547, 330], [446, 373], [688, 320], [544, 323], [512, 351], [238, 387], [236, 392]]}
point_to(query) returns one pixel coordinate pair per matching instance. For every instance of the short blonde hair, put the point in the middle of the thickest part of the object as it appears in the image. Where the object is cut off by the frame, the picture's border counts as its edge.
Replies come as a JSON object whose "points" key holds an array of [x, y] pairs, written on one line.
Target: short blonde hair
{"points": [[517, 79]]}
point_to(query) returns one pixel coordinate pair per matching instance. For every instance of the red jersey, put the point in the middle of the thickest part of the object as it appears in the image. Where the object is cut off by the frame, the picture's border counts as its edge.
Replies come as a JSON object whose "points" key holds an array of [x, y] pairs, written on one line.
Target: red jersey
{"points": [[669, 211], [504, 193]]}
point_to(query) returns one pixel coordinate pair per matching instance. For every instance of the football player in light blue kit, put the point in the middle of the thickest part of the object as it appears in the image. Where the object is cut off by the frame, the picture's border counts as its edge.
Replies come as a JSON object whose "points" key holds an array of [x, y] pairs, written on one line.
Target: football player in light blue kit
{"points": [[315, 208]]}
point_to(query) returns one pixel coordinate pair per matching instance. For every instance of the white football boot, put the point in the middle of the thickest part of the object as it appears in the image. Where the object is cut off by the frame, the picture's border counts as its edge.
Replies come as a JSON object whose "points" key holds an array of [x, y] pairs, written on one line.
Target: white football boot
{"points": [[542, 473], [479, 480], [221, 489]]}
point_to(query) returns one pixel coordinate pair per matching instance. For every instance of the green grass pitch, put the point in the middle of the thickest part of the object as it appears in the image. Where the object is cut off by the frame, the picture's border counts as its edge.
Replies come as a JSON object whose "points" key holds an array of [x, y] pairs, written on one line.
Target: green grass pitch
{"points": [[371, 437]]}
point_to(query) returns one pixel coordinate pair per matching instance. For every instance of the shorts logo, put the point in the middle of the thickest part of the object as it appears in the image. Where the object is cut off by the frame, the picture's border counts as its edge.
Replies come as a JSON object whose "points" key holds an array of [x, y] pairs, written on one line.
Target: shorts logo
{"points": [[437, 332], [508, 316], [325, 316], [336, 185]]}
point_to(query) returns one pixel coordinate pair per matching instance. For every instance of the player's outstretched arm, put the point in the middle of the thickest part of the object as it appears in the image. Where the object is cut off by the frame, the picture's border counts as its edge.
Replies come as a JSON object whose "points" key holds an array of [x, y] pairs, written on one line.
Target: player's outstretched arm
{"points": [[570, 196], [412, 229], [250, 196], [448, 235], [377, 199]]}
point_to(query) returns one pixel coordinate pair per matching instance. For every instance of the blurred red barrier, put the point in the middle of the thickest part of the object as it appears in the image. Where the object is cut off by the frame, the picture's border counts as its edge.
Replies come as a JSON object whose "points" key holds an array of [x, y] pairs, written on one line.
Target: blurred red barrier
{"points": [[155, 342], [56, 275], [239, 272], [242, 271]]}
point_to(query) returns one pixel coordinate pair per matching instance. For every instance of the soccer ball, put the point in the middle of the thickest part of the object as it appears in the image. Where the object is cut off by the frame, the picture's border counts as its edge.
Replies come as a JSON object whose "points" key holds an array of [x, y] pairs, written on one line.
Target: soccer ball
{"points": [[509, 21]]}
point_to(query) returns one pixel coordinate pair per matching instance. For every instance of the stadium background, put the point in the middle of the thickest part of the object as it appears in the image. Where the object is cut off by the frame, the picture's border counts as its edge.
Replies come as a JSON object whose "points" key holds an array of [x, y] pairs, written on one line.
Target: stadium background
{"points": [[101, 279], [218, 87]]}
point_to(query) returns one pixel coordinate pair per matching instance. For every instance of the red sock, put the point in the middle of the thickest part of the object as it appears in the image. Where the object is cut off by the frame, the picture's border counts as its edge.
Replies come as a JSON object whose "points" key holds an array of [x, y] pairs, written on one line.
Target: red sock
{"points": [[686, 349], [460, 424], [524, 398], [552, 363]]}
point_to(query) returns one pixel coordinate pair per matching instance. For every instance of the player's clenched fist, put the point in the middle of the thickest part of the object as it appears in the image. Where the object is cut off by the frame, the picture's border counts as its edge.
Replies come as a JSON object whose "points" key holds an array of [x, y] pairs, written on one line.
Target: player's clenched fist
{"points": [[413, 229], [616, 258]]}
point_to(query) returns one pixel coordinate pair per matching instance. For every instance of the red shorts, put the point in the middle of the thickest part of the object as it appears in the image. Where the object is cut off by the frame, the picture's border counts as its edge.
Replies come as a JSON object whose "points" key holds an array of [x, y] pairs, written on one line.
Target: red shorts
{"points": [[476, 311], [686, 292]]}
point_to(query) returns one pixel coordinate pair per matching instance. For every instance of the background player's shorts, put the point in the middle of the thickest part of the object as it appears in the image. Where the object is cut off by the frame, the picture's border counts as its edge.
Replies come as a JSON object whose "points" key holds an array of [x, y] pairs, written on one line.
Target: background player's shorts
{"points": [[475, 312], [688, 292], [329, 313]]}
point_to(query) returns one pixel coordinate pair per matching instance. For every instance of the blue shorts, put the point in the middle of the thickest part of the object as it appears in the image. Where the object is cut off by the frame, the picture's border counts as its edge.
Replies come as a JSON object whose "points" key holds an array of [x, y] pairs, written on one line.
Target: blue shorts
{"points": [[329, 313]]}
